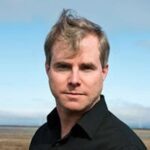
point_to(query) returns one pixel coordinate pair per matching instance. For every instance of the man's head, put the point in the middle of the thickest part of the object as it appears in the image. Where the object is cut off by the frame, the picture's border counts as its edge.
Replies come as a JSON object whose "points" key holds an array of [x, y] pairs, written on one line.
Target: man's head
{"points": [[76, 62], [71, 29]]}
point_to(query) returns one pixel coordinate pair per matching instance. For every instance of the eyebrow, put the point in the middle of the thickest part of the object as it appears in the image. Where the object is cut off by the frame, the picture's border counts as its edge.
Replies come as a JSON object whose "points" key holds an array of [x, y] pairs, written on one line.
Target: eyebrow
{"points": [[88, 65], [57, 64]]}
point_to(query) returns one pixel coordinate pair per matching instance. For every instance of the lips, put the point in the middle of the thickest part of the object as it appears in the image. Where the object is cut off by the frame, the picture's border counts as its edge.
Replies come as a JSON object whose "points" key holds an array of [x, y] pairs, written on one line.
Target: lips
{"points": [[73, 93]]}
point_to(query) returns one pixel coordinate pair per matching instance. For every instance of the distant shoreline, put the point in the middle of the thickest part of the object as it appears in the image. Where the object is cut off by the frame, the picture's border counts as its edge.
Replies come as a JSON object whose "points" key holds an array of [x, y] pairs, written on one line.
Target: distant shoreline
{"points": [[37, 126], [17, 126]]}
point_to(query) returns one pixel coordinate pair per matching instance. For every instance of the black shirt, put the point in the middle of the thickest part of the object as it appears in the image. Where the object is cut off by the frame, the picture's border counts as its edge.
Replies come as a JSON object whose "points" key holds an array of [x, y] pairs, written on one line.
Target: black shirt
{"points": [[98, 129]]}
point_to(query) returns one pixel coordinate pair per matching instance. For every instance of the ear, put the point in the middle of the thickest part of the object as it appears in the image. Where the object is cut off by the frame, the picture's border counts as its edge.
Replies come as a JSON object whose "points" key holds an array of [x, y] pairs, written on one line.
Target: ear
{"points": [[105, 71], [47, 68]]}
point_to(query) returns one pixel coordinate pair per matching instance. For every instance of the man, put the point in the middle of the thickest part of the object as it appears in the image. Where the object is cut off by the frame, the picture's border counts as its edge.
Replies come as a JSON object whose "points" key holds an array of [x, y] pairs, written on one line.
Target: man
{"points": [[77, 53]]}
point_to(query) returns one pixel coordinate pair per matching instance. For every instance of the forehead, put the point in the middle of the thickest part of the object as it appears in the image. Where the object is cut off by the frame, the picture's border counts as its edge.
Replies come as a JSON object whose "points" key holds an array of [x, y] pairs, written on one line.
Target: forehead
{"points": [[88, 48]]}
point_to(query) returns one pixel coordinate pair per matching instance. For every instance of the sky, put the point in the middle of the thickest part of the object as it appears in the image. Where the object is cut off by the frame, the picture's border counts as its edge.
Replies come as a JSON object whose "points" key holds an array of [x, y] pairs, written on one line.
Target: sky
{"points": [[25, 98]]}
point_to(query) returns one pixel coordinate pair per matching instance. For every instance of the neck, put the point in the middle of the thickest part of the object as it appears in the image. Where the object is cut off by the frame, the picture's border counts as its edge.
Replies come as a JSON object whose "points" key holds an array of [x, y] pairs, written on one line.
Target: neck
{"points": [[67, 119]]}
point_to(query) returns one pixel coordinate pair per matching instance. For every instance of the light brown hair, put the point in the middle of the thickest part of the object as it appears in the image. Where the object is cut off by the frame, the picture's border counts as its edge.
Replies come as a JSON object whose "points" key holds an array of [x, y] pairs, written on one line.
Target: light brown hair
{"points": [[71, 29]]}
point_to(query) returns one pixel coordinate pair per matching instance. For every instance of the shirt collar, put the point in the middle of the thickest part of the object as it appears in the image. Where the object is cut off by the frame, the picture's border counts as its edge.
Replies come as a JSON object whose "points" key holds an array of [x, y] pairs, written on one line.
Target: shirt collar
{"points": [[94, 117], [89, 123], [53, 119]]}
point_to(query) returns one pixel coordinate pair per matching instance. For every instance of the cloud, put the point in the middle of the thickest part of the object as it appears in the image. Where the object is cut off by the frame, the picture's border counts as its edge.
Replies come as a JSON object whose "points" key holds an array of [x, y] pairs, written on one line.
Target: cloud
{"points": [[21, 118], [134, 115]]}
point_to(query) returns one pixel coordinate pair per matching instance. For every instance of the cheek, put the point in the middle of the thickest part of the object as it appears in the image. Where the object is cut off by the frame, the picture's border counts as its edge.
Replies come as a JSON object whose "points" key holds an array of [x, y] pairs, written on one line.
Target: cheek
{"points": [[94, 79], [56, 81], [95, 83], [53, 82], [54, 86]]}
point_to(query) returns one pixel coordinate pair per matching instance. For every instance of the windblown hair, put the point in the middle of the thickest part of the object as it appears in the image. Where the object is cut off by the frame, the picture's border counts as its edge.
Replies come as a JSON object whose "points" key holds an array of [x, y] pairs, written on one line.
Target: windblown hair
{"points": [[71, 29]]}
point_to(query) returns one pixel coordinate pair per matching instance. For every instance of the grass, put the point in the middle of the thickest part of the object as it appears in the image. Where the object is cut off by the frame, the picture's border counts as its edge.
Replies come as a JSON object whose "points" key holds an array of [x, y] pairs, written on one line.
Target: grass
{"points": [[18, 138], [144, 135]]}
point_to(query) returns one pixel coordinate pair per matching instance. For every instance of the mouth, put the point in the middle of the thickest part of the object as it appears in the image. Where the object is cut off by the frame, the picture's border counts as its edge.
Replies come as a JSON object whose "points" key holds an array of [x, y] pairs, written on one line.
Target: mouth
{"points": [[74, 93]]}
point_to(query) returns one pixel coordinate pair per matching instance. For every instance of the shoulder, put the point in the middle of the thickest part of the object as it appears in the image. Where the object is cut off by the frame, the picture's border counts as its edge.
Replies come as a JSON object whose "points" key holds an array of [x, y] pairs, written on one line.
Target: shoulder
{"points": [[118, 134], [133, 147], [40, 134]]}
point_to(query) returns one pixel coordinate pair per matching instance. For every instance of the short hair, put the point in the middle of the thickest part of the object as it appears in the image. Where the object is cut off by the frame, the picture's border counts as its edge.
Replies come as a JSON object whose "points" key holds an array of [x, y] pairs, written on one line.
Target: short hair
{"points": [[71, 29]]}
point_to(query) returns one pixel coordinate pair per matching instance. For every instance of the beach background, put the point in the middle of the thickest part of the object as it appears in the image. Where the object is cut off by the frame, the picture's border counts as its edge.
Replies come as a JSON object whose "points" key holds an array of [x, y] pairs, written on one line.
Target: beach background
{"points": [[25, 98], [19, 138]]}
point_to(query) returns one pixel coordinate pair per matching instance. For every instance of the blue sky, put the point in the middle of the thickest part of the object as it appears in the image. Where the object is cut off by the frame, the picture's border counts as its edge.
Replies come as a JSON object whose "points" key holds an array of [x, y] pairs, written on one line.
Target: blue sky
{"points": [[24, 24]]}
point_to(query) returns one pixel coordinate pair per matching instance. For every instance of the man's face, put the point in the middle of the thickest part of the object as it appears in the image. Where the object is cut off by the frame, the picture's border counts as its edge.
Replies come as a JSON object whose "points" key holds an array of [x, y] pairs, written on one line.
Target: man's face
{"points": [[76, 81]]}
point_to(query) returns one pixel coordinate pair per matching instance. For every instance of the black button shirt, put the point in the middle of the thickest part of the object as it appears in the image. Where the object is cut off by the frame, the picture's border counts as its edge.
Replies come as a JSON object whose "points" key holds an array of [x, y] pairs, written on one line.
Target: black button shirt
{"points": [[98, 129]]}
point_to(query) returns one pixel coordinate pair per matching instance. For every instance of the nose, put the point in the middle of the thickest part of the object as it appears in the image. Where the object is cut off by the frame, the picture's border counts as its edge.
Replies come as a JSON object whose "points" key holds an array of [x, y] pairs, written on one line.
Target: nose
{"points": [[74, 79]]}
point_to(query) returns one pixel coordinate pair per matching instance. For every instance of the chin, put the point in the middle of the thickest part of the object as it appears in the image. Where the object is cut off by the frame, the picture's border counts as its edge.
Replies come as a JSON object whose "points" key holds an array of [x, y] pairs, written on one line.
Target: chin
{"points": [[76, 107]]}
